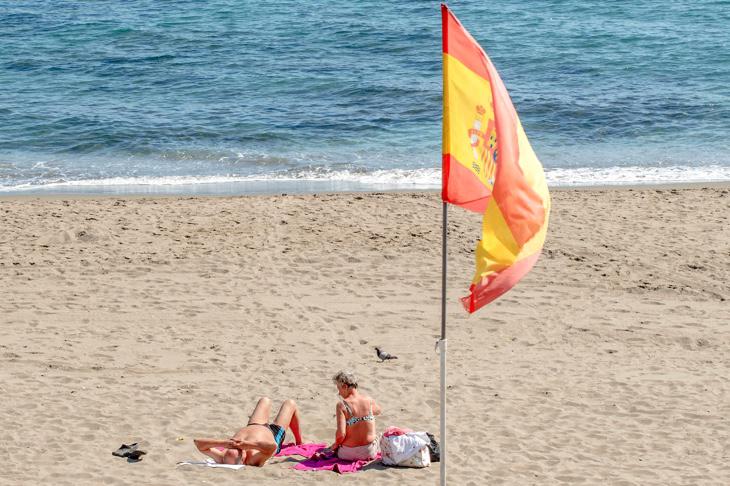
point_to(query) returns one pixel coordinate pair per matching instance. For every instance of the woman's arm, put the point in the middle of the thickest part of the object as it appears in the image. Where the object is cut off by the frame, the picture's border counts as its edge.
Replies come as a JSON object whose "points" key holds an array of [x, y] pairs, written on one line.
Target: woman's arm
{"points": [[204, 445], [265, 447], [377, 409], [209, 447], [341, 431]]}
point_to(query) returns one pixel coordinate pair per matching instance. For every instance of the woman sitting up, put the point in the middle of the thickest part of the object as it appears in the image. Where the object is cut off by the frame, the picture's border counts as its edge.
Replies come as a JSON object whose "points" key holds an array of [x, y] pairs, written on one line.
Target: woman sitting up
{"points": [[355, 438], [255, 443]]}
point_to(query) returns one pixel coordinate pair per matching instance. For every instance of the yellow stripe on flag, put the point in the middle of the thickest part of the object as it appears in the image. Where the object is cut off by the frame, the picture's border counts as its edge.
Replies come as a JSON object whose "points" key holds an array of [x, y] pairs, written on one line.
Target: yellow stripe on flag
{"points": [[469, 127]]}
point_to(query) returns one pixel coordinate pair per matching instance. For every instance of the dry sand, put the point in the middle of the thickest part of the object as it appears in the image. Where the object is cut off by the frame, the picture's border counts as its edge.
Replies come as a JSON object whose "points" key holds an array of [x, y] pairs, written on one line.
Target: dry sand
{"points": [[162, 319]]}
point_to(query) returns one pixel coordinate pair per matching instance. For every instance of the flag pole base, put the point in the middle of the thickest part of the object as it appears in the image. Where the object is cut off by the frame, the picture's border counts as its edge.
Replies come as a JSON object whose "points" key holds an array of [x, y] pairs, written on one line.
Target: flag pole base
{"points": [[441, 345]]}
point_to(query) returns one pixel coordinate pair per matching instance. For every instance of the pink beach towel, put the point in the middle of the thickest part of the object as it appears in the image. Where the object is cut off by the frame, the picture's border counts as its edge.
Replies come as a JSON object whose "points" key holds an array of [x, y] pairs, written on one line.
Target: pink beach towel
{"points": [[304, 450], [336, 464], [333, 464]]}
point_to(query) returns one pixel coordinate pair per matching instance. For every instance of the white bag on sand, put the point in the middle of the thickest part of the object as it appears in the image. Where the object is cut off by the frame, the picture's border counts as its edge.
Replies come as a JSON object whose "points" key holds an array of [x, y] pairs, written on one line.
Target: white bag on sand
{"points": [[408, 450], [422, 458]]}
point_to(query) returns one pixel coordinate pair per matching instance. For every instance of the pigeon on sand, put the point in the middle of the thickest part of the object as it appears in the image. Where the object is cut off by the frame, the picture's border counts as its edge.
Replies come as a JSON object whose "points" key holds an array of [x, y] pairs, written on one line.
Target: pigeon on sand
{"points": [[383, 355]]}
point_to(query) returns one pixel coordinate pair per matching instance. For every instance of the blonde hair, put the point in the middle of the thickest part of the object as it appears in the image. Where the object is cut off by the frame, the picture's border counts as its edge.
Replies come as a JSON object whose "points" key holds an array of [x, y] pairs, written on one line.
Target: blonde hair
{"points": [[346, 378]]}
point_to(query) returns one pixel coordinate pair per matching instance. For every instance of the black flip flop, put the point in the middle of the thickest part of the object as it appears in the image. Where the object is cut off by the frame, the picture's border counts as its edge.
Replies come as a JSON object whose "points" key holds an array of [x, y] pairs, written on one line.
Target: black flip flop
{"points": [[135, 456], [125, 450]]}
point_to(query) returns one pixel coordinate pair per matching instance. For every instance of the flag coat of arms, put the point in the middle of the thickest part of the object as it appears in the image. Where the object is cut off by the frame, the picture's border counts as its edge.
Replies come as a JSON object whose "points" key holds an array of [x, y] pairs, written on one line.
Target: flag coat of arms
{"points": [[489, 166]]}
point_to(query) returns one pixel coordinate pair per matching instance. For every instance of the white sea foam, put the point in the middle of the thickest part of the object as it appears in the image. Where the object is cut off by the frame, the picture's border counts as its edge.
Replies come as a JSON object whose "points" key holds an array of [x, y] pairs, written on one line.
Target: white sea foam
{"points": [[636, 175], [355, 180]]}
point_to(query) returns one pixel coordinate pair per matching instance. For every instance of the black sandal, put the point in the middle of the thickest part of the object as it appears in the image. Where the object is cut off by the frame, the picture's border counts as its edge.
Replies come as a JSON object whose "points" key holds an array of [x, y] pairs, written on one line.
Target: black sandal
{"points": [[130, 452], [125, 450], [135, 456]]}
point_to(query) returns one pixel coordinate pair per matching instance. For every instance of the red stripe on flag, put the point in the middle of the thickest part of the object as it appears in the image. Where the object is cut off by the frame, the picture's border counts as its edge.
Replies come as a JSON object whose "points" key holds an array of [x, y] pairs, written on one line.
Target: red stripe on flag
{"points": [[497, 284], [459, 43], [462, 187], [521, 207]]}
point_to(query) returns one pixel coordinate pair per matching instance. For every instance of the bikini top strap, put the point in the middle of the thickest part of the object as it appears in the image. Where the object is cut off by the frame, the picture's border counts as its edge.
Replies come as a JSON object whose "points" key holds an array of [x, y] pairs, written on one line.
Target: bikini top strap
{"points": [[347, 407]]}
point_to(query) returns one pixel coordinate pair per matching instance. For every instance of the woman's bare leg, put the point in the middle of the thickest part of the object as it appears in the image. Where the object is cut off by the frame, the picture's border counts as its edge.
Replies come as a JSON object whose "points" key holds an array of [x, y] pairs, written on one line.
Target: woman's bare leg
{"points": [[262, 412], [288, 416]]}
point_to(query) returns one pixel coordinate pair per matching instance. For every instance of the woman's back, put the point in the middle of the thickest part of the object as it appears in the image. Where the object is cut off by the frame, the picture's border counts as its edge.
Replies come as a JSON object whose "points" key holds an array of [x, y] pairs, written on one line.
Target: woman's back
{"points": [[359, 420], [355, 438]]}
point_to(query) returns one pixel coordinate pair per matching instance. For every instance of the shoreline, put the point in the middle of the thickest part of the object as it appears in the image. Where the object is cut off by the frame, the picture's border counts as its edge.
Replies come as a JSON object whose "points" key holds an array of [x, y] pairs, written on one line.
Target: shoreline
{"points": [[91, 194], [348, 180]]}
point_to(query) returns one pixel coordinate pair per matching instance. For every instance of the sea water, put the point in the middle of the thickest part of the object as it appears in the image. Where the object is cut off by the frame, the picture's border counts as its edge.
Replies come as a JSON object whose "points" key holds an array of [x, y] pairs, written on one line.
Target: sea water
{"points": [[243, 96]]}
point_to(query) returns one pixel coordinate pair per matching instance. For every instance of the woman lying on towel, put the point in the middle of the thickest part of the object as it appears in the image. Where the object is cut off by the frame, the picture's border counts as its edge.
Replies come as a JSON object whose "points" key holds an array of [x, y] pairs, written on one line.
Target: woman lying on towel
{"points": [[355, 438], [259, 440]]}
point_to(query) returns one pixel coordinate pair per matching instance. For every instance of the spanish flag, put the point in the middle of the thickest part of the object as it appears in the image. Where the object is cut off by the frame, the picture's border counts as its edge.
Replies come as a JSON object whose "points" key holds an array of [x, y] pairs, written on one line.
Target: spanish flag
{"points": [[489, 166]]}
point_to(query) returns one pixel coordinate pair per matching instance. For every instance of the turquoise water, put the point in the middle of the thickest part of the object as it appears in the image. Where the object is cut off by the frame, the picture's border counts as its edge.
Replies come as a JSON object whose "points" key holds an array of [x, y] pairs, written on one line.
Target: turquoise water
{"points": [[242, 95]]}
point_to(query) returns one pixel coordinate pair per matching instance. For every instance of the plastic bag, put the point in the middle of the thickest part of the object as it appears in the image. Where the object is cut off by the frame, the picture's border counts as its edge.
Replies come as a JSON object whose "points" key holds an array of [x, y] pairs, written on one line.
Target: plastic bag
{"points": [[408, 450]]}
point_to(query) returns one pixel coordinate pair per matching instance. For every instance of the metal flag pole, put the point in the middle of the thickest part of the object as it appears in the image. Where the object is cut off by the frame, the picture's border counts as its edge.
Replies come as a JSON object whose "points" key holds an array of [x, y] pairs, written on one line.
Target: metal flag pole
{"points": [[442, 348]]}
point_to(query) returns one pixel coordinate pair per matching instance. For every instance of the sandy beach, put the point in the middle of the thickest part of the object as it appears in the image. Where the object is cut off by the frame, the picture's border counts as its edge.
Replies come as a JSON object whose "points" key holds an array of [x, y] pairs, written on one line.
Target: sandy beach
{"points": [[162, 319]]}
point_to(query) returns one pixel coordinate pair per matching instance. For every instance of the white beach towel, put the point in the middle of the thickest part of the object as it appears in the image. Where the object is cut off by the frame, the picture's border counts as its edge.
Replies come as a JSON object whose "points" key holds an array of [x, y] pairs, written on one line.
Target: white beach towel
{"points": [[211, 463]]}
